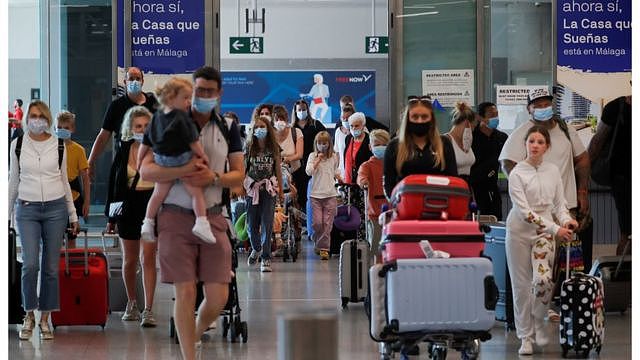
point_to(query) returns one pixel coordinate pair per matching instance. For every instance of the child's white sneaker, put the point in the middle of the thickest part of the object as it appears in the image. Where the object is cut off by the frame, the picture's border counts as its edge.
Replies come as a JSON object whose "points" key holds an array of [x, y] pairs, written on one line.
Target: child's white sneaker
{"points": [[147, 232], [202, 229]]}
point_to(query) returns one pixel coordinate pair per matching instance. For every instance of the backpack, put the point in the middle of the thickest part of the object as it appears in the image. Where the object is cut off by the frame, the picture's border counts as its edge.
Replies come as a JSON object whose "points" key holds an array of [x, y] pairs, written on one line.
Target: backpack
{"points": [[19, 150]]}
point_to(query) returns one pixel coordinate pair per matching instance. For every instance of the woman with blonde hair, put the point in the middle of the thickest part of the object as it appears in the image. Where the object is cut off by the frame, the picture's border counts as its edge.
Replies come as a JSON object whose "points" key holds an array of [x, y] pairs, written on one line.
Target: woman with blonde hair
{"points": [[419, 148], [461, 134], [40, 193], [322, 166]]}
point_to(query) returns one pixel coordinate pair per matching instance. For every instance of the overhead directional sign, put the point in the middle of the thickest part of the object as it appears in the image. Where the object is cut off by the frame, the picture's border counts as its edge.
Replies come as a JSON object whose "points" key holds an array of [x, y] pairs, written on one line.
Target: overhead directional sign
{"points": [[377, 45], [246, 45]]}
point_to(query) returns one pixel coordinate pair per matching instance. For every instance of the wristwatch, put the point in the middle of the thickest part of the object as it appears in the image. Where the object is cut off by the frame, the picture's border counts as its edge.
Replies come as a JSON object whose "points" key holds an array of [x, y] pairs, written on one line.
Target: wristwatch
{"points": [[216, 179]]}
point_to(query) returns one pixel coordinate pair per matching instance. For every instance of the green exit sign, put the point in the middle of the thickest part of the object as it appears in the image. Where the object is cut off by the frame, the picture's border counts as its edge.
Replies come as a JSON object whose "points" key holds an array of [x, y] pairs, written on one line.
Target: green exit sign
{"points": [[246, 45], [376, 45]]}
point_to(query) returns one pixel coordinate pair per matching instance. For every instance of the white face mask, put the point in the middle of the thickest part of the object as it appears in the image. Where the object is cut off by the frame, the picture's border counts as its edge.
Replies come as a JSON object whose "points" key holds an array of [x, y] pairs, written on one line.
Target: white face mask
{"points": [[280, 125], [467, 139]]}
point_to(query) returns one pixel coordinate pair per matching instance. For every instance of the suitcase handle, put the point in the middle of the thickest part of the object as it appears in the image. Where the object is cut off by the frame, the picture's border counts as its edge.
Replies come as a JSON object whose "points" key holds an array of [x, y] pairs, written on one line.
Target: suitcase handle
{"points": [[428, 202], [67, 272]]}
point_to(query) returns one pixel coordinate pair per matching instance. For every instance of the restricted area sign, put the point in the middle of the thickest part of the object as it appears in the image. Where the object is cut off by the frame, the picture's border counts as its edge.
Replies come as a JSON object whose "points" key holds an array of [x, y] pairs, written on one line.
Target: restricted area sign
{"points": [[377, 45], [246, 45]]}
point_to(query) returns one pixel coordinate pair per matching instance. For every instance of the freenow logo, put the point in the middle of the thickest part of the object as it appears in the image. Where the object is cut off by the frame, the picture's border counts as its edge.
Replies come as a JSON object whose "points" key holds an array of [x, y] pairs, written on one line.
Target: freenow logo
{"points": [[353, 79]]}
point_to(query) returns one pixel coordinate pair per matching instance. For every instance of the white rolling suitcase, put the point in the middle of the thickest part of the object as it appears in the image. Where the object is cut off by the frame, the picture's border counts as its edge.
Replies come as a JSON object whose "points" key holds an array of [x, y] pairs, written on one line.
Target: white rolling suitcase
{"points": [[440, 295]]}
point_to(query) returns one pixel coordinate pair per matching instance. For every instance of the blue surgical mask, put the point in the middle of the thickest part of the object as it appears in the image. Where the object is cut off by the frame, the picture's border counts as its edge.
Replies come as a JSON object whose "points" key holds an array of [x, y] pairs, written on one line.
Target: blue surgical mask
{"points": [[493, 123], [37, 126], [543, 114], [356, 133], [134, 87], [302, 114], [137, 137], [378, 151], [63, 133], [346, 125], [260, 133], [204, 105]]}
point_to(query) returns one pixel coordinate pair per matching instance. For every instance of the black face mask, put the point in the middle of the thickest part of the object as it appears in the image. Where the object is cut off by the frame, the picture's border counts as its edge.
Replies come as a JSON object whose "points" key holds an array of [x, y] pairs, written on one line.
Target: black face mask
{"points": [[419, 129]]}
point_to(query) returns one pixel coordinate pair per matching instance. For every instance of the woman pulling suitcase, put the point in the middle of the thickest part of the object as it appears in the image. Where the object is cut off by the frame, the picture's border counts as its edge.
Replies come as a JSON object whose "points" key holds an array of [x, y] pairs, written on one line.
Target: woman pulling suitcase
{"points": [[536, 190]]}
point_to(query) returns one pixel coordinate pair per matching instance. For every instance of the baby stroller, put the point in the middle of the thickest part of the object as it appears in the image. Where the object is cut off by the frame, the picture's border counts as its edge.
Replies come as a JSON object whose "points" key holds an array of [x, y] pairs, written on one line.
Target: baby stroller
{"points": [[232, 323], [284, 218]]}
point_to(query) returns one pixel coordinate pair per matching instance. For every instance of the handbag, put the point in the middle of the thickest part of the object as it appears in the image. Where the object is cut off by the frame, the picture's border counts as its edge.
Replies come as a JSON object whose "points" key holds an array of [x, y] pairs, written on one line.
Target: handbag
{"points": [[601, 165], [116, 208]]}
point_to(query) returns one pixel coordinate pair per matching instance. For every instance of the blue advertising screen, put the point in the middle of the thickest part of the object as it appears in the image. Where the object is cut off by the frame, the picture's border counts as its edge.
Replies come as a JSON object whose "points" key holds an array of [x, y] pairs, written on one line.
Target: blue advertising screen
{"points": [[594, 35], [243, 90], [167, 36]]}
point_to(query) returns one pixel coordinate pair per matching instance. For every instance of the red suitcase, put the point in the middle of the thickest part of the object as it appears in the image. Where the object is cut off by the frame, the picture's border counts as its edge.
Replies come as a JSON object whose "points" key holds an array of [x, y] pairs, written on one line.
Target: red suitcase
{"points": [[431, 197], [401, 238], [84, 288]]}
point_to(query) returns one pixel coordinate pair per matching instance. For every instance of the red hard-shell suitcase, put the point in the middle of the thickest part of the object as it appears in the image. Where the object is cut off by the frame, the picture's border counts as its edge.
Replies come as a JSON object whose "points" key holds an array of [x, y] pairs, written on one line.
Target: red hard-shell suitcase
{"points": [[431, 197], [401, 238], [84, 287]]}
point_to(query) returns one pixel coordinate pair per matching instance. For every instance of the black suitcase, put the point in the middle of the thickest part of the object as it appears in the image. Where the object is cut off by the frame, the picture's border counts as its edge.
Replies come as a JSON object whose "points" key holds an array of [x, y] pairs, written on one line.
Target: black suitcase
{"points": [[494, 248], [338, 237], [581, 313], [615, 272], [16, 312]]}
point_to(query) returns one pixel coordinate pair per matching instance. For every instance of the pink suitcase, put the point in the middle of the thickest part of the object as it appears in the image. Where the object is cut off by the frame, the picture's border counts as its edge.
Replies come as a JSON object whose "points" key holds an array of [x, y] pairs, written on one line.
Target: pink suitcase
{"points": [[401, 238], [431, 197]]}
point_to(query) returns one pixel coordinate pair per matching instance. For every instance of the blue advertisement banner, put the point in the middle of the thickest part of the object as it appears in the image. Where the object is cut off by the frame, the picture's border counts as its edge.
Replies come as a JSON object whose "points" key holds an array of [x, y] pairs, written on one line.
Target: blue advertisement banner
{"points": [[594, 35], [243, 90], [167, 36]]}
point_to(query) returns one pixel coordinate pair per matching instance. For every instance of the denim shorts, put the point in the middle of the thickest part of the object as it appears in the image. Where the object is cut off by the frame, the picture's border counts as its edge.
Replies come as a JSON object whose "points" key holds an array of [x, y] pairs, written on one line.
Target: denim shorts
{"points": [[172, 161]]}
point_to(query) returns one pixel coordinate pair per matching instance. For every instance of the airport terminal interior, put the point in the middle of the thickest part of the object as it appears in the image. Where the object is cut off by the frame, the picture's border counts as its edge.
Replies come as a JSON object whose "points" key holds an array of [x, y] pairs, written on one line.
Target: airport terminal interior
{"points": [[388, 56]]}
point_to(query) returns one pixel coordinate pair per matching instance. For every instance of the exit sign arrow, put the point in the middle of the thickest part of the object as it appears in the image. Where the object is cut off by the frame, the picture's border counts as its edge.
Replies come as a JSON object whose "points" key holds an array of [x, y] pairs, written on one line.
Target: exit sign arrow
{"points": [[237, 45]]}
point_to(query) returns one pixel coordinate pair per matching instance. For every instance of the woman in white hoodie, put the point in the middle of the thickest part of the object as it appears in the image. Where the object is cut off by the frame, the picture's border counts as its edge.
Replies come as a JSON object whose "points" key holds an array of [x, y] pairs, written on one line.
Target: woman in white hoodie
{"points": [[38, 181]]}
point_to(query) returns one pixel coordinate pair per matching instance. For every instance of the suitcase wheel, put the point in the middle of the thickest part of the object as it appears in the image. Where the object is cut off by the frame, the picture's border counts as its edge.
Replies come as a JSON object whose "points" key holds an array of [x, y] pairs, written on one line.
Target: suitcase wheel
{"points": [[233, 332], [598, 349], [244, 331]]}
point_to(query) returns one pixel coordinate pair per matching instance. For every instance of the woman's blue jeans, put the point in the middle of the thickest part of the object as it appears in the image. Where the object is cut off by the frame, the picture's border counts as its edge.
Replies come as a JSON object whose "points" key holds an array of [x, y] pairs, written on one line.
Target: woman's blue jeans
{"points": [[41, 224], [260, 222]]}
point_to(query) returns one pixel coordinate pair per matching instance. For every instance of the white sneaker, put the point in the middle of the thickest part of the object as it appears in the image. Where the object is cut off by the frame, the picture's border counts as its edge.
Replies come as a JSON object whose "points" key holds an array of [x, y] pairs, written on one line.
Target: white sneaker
{"points": [[526, 348], [147, 319], [202, 229], [131, 313], [147, 231], [253, 257], [265, 266]]}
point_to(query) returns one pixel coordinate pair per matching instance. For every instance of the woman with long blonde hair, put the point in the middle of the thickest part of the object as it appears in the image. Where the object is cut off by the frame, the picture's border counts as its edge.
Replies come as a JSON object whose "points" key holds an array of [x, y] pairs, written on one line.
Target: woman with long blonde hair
{"points": [[418, 148]]}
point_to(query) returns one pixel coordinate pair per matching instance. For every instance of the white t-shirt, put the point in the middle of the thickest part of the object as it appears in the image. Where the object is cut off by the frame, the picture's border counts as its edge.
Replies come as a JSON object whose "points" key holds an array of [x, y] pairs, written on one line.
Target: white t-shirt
{"points": [[561, 154], [289, 148], [464, 160], [338, 146]]}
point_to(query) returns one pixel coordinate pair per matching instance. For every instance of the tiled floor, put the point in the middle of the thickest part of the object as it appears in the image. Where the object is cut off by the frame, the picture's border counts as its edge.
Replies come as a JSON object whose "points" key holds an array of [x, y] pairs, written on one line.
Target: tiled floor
{"points": [[263, 297]]}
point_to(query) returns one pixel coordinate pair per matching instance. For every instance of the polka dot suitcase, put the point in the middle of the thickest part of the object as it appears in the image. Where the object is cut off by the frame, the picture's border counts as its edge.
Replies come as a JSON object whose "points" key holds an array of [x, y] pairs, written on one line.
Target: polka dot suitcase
{"points": [[582, 314]]}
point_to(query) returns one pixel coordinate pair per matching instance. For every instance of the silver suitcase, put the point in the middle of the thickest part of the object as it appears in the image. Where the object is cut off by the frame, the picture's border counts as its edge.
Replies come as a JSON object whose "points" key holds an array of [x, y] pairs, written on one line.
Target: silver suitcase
{"points": [[354, 267], [117, 291], [438, 295]]}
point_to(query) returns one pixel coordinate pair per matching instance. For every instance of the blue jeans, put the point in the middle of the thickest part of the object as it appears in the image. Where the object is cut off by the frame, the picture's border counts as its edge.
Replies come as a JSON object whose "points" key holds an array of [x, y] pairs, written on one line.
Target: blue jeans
{"points": [[41, 223], [260, 222]]}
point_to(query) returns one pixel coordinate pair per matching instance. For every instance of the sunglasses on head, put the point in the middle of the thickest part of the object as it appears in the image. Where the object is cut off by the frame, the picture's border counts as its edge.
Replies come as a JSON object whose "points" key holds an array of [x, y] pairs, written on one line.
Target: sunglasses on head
{"points": [[423, 99]]}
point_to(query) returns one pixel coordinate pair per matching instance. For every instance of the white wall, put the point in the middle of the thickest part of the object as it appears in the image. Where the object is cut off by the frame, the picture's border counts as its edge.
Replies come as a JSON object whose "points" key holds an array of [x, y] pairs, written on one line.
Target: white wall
{"points": [[302, 29]]}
